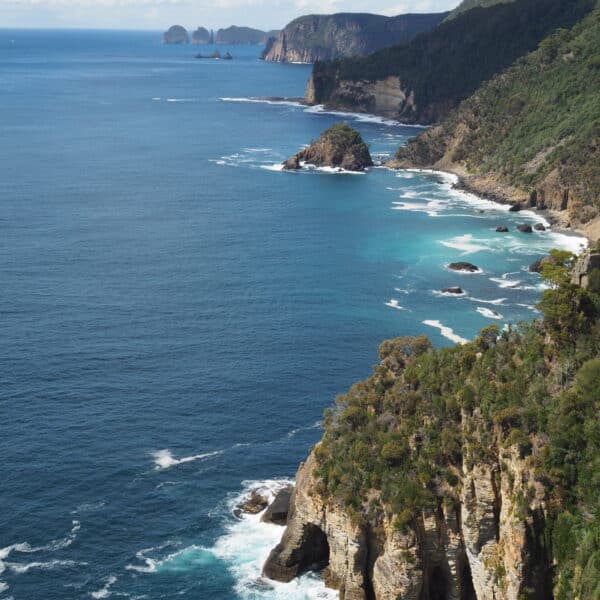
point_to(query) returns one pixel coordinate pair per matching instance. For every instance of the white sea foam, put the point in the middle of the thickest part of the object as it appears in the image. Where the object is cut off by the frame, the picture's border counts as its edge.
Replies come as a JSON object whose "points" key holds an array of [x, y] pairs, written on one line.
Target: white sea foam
{"points": [[89, 507], [495, 302], [276, 167], [505, 282], [393, 303], [52, 546], [490, 314], [530, 307], [467, 244], [263, 101], [243, 549], [3, 587], [447, 332], [440, 293], [20, 568], [104, 592], [361, 117], [163, 459]]}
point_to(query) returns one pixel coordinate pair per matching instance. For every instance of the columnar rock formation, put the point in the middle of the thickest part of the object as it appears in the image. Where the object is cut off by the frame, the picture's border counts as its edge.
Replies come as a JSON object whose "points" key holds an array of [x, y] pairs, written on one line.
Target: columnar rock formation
{"points": [[481, 546]]}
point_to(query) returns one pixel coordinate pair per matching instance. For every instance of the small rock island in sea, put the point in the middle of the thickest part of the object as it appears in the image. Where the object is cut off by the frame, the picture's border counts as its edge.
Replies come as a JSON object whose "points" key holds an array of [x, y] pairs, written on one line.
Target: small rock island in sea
{"points": [[176, 34], [340, 147]]}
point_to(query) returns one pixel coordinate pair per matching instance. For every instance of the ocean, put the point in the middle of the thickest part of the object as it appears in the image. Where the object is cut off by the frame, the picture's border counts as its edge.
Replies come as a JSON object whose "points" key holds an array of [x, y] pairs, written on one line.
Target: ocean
{"points": [[177, 312]]}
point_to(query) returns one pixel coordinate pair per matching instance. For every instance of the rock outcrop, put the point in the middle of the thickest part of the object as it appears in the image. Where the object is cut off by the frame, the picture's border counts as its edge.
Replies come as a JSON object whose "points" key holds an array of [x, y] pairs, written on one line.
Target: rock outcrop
{"points": [[176, 34], [325, 37], [474, 549], [201, 36], [277, 511], [464, 266], [340, 147], [384, 97]]}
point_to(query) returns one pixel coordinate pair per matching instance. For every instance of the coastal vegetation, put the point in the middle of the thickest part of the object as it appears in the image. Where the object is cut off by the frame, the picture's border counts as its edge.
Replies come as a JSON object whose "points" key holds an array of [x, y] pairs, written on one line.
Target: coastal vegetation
{"points": [[438, 69], [402, 441], [535, 127]]}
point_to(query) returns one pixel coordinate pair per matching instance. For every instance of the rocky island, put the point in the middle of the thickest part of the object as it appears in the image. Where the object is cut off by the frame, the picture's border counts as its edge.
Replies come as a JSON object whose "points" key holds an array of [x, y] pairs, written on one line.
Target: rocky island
{"points": [[339, 147], [176, 34]]}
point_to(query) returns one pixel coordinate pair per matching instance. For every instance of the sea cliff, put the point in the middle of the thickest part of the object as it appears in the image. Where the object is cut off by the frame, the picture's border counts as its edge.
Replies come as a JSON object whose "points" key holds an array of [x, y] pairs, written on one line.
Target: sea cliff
{"points": [[468, 473], [324, 37]]}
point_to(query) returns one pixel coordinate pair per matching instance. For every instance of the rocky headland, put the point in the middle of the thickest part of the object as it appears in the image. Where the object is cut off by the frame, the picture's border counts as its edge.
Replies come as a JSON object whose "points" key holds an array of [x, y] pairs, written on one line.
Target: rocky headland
{"points": [[443, 476], [325, 37], [339, 147]]}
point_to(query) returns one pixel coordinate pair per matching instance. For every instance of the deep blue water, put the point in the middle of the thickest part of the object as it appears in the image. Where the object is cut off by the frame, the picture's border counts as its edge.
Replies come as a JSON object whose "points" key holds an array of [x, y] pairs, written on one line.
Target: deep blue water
{"points": [[166, 295]]}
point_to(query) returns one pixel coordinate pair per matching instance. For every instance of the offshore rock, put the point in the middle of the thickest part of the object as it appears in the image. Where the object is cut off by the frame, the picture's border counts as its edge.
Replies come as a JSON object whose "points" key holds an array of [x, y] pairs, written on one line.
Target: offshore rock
{"points": [[339, 147], [176, 34], [464, 266]]}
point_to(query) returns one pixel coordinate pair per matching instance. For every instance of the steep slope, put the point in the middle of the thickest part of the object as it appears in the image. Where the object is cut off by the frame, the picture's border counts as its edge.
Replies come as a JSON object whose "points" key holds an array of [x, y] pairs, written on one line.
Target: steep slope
{"points": [[531, 134], [467, 473], [422, 80], [323, 37], [469, 4]]}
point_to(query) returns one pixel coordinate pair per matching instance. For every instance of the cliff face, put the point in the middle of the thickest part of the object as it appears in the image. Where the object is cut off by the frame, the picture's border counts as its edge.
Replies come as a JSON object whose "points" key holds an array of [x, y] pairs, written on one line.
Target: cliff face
{"points": [[325, 37], [488, 544], [440, 68], [383, 97], [513, 139]]}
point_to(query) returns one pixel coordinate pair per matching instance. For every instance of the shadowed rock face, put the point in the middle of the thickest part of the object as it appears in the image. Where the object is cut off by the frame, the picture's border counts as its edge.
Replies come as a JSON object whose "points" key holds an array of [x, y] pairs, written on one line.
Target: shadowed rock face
{"points": [[277, 512], [339, 146]]}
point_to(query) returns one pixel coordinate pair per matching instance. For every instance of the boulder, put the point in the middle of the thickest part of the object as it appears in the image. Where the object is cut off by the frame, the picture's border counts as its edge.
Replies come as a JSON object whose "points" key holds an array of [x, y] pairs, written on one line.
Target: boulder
{"points": [[539, 227], [254, 504], [277, 511], [525, 228], [538, 265], [339, 147], [453, 290], [502, 229], [464, 266], [515, 207]]}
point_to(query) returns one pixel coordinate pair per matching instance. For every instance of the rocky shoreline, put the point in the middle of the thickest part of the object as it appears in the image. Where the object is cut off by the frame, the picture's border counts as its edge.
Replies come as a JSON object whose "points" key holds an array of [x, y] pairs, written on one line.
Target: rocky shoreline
{"points": [[505, 194]]}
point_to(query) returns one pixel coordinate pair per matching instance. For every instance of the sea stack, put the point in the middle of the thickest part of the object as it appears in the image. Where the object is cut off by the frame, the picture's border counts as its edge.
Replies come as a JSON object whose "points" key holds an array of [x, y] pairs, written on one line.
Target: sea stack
{"points": [[340, 147], [176, 34]]}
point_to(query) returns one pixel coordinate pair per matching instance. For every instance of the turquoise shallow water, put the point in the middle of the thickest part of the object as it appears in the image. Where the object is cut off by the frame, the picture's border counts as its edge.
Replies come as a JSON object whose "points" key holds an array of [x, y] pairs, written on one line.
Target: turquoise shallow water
{"points": [[176, 313]]}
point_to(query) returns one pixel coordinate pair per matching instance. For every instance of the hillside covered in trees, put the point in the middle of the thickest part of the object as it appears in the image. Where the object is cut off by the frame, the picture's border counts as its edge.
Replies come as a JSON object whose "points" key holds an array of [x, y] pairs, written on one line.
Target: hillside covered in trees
{"points": [[437, 70], [535, 127]]}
